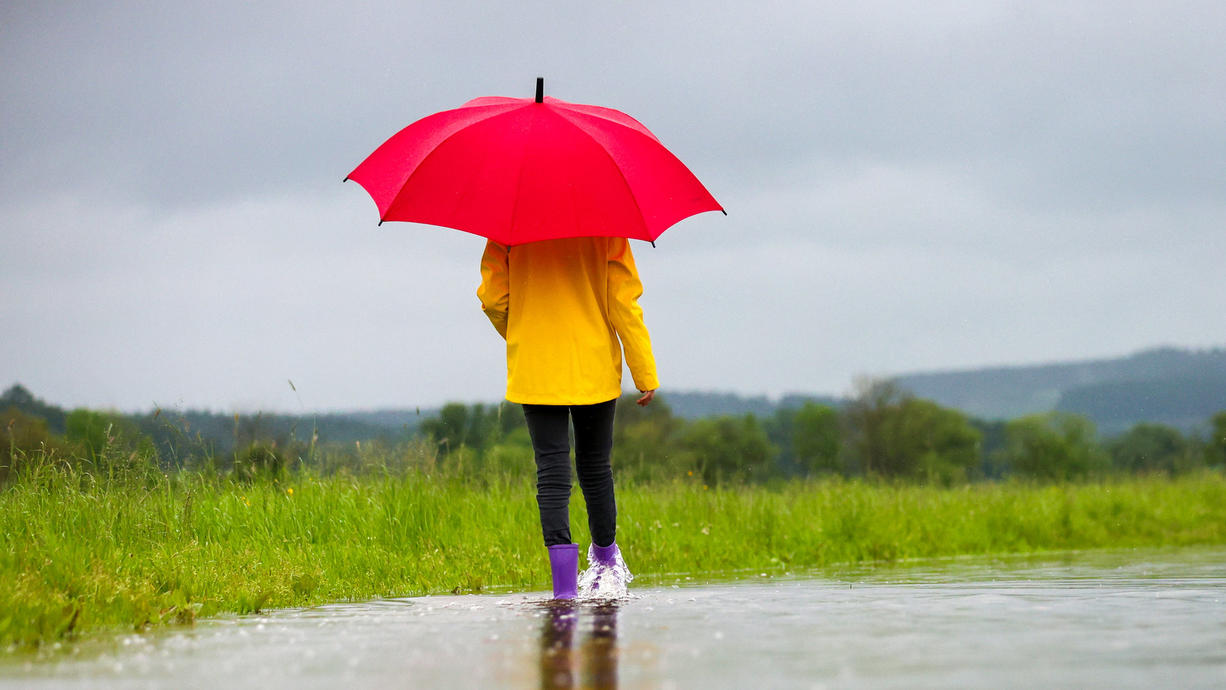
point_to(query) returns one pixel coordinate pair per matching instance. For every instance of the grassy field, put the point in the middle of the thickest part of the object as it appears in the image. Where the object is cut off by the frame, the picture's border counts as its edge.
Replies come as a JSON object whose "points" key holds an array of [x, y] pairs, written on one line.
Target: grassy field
{"points": [[79, 555]]}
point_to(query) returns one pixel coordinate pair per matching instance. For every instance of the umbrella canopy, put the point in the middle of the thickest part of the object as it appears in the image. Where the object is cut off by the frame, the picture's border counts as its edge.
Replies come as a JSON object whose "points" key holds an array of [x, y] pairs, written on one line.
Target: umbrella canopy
{"points": [[520, 170]]}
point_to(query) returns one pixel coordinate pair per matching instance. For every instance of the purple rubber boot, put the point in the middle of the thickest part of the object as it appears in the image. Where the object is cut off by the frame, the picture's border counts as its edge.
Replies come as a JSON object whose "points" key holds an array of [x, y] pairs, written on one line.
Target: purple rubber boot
{"points": [[564, 562], [607, 575], [605, 555]]}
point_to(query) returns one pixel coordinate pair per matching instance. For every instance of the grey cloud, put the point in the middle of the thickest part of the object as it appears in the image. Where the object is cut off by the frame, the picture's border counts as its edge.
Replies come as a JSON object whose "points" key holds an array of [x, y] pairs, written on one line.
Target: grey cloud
{"points": [[909, 185], [200, 103]]}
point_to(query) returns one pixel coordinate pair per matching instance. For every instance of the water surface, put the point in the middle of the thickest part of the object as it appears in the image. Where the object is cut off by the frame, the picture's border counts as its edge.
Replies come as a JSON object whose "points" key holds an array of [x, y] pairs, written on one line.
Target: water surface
{"points": [[1119, 619]]}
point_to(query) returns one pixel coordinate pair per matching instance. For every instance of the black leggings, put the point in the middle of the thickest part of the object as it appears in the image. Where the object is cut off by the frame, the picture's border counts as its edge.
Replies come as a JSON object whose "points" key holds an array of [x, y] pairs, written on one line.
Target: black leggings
{"points": [[549, 425]]}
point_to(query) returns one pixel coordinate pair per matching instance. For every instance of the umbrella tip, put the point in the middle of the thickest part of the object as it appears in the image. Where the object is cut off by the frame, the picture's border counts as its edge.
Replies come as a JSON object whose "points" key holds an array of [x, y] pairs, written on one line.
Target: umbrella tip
{"points": [[540, 89], [723, 211], [346, 179]]}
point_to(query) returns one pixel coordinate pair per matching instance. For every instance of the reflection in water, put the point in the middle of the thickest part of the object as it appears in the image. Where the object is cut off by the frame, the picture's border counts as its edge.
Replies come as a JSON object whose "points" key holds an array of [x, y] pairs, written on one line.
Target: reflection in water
{"points": [[598, 650], [557, 632]]}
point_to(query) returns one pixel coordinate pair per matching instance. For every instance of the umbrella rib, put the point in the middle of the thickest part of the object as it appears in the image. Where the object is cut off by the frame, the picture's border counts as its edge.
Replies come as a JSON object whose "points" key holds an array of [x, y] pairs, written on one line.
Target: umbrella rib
{"points": [[409, 177], [519, 183], [594, 112], [625, 181]]}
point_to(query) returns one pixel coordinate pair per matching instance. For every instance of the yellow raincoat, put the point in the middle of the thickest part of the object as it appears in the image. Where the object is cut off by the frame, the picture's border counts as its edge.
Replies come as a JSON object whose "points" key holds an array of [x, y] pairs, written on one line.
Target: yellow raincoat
{"points": [[562, 306]]}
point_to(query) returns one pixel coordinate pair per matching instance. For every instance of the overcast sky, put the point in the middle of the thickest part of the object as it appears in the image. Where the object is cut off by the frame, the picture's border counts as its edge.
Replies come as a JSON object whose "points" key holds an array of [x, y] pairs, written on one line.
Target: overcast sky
{"points": [[910, 186]]}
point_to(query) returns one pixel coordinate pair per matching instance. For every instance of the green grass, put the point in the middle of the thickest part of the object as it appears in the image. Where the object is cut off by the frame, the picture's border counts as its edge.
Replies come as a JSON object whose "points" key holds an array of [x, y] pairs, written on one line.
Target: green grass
{"points": [[79, 556]]}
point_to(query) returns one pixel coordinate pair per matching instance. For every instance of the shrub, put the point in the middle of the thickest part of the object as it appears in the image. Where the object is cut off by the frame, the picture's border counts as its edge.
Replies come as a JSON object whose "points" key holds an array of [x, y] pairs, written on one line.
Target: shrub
{"points": [[1215, 449], [728, 449], [1055, 446], [1152, 448], [646, 442], [259, 461], [815, 438], [24, 437], [892, 433]]}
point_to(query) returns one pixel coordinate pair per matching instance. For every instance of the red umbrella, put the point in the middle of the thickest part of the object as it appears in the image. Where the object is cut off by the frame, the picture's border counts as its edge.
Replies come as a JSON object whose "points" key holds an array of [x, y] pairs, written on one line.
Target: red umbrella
{"points": [[519, 170]]}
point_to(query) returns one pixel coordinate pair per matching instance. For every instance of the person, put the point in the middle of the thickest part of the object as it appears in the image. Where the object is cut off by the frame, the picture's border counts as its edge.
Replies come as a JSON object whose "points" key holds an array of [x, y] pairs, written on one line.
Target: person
{"points": [[567, 309]]}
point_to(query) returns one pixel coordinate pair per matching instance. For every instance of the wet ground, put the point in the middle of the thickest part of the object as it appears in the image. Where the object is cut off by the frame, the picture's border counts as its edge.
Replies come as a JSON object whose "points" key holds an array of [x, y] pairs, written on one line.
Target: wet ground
{"points": [[1140, 619]]}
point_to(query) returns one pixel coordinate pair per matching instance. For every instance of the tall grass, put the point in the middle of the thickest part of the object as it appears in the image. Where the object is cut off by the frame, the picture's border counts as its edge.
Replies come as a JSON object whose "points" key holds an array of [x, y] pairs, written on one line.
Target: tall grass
{"points": [[81, 552], [681, 528]]}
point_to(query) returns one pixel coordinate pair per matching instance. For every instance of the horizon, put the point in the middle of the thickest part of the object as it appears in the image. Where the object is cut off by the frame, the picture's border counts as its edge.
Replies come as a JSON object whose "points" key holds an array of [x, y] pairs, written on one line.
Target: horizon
{"points": [[423, 408]]}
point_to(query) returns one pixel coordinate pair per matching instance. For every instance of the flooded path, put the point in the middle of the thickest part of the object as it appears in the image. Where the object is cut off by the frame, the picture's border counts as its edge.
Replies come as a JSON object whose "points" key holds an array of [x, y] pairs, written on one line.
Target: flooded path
{"points": [[1104, 619]]}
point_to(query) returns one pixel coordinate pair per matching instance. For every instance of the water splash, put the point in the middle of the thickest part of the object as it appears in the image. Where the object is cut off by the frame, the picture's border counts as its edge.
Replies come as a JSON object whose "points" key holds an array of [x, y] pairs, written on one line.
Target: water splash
{"points": [[604, 582]]}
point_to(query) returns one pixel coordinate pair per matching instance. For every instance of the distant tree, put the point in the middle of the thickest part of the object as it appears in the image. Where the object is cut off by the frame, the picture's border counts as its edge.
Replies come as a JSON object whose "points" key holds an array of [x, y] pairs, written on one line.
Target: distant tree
{"points": [[778, 427], [728, 449], [20, 397], [510, 457], [259, 461], [891, 433], [510, 418], [1215, 447], [484, 426], [933, 442], [1152, 448], [21, 437], [646, 441], [993, 433], [460, 426], [110, 441], [815, 438], [90, 430], [866, 418], [17, 396], [1055, 446]]}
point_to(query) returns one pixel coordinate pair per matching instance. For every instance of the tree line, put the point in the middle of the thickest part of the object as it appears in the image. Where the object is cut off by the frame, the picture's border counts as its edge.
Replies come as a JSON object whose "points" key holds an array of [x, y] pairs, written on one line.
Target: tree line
{"points": [[881, 432]]}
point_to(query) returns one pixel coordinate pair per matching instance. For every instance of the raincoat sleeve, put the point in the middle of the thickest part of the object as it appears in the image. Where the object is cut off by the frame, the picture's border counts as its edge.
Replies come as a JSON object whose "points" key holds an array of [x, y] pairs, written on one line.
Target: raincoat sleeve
{"points": [[495, 290], [627, 317]]}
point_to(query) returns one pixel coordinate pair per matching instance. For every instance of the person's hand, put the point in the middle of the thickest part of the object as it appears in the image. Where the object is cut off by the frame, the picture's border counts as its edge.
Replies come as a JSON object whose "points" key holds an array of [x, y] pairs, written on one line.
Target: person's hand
{"points": [[648, 396]]}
